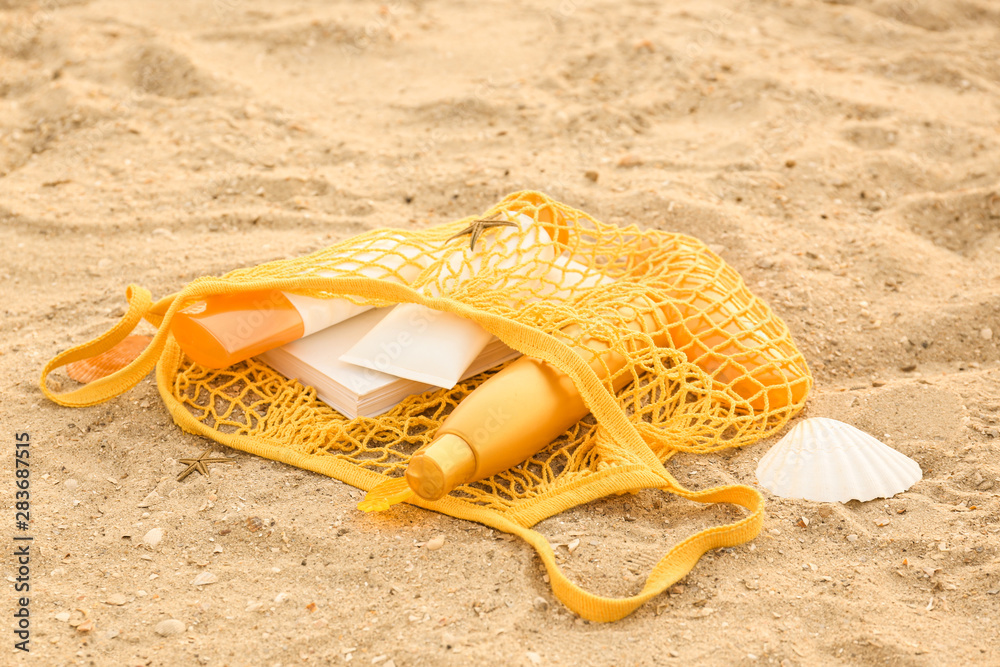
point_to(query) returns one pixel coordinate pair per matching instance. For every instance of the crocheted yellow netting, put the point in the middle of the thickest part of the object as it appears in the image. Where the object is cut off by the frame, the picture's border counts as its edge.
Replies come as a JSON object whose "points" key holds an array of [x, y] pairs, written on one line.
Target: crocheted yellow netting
{"points": [[718, 370]]}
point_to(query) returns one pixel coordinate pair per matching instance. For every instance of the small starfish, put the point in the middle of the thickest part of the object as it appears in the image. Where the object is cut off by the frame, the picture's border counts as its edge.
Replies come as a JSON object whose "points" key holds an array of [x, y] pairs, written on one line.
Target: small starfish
{"points": [[479, 226], [199, 464]]}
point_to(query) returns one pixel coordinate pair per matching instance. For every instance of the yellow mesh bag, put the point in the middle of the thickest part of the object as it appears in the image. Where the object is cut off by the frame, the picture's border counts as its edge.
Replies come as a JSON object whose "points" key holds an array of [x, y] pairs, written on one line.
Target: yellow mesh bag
{"points": [[726, 375]]}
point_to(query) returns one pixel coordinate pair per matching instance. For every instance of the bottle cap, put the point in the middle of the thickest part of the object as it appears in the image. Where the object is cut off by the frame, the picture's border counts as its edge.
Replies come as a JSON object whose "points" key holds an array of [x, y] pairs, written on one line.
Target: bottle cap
{"points": [[437, 469]]}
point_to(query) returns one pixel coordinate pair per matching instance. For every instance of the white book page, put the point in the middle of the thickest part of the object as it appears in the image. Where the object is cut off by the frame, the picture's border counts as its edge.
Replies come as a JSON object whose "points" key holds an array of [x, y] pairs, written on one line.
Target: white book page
{"points": [[319, 354]]}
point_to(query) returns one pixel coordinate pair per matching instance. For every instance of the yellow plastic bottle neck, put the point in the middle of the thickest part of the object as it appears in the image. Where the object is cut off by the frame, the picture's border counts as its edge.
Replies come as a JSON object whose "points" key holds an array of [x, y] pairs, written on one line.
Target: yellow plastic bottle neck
{"points": [[434, 471]]}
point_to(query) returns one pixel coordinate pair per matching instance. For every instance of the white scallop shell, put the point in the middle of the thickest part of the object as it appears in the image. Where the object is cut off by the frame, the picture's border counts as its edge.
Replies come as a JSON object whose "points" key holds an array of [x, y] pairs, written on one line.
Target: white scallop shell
{"points": [[826, 460]]}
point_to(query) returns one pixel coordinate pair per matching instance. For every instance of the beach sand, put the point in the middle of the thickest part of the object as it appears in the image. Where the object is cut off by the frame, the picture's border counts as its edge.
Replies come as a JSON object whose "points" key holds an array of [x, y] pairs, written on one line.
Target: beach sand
{"points": [[842, 156]]}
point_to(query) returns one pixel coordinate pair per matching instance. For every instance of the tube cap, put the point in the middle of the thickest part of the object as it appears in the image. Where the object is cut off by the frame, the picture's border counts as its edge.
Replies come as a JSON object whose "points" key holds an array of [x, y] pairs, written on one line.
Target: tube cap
{"points": [[437, 469]]}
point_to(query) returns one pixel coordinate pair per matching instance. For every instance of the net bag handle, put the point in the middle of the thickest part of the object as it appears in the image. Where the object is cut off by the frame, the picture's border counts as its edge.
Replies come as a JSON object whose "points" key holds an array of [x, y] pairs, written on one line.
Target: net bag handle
{"points": [[674, 566], [140, 306]]}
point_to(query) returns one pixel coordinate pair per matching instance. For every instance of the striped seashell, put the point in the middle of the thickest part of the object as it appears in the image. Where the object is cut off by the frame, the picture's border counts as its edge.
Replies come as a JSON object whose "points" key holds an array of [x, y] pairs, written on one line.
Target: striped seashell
{"points": [[826, 460]]}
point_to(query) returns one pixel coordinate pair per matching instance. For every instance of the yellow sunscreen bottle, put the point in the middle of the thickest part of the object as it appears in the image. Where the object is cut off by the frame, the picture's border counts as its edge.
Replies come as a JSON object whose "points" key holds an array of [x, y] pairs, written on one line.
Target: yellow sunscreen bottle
{"points": [[520, 410], [512, 416]]}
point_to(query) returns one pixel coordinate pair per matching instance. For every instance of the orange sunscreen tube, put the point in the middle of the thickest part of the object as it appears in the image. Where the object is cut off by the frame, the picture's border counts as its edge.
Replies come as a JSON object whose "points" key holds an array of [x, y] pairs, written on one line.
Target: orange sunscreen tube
{"points": [[716, 331], [224, 329]]}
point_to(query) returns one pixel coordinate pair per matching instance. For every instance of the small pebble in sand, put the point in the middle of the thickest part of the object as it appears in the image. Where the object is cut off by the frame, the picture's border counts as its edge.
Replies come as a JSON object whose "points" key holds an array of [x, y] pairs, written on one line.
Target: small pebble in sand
{"points": [[534, 658], [852, 538], [591, 175], [280, 597], [71, 485], [434, 543], [986, 333], [116, 599], [162, 231], [630, 160], [62, 616], [541, 604], [205, 578], [153, 538], [169, 627]]}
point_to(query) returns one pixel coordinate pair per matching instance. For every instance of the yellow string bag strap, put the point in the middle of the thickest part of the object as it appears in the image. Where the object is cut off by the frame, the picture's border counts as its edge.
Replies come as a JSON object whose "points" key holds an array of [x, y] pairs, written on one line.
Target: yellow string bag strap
{"points": [[673, 567], [140, 306]]}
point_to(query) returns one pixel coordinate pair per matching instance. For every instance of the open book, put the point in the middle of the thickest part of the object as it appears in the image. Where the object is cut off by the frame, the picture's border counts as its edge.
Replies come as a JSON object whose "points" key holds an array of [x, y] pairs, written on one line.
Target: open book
{"points": [[352, 390]]}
